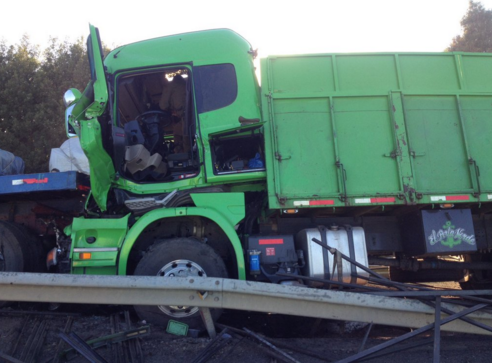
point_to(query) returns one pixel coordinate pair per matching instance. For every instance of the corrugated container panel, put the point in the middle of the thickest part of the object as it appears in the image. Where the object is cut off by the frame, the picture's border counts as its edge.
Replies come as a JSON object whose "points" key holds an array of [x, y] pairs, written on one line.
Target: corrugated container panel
{"points": [[390, 128]]}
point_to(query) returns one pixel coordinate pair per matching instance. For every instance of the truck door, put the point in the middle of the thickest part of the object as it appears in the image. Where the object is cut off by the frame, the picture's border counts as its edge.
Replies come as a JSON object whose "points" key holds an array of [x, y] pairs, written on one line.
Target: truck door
{"points": [[87, 110]]}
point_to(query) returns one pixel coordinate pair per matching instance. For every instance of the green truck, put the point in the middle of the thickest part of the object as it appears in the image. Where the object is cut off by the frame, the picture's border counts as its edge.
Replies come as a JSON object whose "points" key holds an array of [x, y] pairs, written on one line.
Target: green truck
{"points": [[197, 170]]}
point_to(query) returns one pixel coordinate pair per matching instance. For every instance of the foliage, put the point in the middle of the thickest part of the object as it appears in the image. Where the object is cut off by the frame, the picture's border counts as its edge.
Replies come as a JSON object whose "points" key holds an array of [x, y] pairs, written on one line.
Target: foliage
{"points": [[477, 30], [32, 84]]}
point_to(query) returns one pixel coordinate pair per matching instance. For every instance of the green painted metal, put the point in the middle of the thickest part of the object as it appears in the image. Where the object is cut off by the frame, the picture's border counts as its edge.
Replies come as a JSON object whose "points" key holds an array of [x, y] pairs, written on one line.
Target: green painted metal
{"points": [[198, 48], [108, 232], [98, 75], [401, 151], [225, 209], [101, 237], [346, 129], [183, 50], [100, 163], [95, 270], [84, 120], [433, 125], [230, 205], [393, 128]]}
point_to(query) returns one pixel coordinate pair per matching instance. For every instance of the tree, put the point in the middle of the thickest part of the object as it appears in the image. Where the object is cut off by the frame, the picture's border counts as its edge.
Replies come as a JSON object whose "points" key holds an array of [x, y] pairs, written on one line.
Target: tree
{"points": [[64, 66], [18, 95], [32, 84], [477, 30]]}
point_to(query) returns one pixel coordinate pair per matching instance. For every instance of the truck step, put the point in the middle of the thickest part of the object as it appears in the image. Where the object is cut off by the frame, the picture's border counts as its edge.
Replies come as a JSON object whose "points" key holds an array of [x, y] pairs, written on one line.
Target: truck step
{"points": [[147, 203]]}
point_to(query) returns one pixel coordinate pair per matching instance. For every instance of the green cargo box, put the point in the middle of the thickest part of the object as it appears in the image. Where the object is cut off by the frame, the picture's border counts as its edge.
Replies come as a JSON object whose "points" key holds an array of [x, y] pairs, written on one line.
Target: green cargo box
{"points": [[384, 129]]}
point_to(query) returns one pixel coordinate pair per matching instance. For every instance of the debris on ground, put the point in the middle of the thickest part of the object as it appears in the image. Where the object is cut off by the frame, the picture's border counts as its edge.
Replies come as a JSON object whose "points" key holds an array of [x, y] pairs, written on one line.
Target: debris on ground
{"points": [[118, 337]]}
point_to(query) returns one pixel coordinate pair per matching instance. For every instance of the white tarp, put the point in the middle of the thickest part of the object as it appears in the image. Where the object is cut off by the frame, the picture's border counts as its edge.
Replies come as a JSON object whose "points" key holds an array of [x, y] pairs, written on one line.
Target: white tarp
{"points": [[69, 157]]}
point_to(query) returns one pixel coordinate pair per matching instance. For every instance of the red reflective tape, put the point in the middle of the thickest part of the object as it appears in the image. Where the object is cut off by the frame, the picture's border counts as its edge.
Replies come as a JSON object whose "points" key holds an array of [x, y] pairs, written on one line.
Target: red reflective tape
{"points": [[457, 197], [383, 200], [84, 188], [321, 202], [35, 181], [278, 241]]}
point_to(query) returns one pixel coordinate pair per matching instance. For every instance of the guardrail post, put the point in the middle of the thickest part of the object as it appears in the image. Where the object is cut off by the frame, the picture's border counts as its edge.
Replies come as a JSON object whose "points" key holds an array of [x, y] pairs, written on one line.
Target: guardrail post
{"points": [[208, 322]]}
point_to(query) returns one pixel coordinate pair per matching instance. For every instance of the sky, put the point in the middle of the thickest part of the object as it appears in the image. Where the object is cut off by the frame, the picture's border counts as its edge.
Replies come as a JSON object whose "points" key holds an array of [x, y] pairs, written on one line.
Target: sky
{"points": [[271, 26]]}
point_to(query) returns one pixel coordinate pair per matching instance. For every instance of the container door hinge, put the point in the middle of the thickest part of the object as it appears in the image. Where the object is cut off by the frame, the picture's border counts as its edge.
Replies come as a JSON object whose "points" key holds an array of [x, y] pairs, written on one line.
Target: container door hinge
{"points": [[476, 170], [415, 154], [281, 200], [393, 154], [343, 177], [280, 157]]}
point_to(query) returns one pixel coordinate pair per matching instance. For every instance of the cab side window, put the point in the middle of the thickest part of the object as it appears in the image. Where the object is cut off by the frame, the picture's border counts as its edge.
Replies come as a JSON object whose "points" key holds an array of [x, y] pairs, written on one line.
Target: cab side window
{"points": [[215, 86]]}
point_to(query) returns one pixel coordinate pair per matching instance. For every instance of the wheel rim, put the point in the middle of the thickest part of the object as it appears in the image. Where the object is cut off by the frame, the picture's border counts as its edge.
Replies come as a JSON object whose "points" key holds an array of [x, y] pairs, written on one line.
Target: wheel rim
{"points": [[180, 268]]}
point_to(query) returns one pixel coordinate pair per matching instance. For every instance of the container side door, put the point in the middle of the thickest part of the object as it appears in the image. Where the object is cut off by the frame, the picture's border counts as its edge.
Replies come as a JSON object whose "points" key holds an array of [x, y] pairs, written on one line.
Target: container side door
{"points": [[365, 136], [438, 147], [301, 152], [331, 133], [477, 114], [448, 110]]}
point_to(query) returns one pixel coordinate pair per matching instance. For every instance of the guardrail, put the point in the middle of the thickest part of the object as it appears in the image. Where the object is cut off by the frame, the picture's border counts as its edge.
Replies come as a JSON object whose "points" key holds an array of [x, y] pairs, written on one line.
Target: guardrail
{"points": [[234, 294]]}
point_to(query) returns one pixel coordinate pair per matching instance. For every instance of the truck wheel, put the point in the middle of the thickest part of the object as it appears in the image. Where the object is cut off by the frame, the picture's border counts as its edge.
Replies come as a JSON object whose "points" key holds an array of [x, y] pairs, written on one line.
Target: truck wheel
{"points": [[34, 251], [14, 251], [478, 279], [181, 257]]}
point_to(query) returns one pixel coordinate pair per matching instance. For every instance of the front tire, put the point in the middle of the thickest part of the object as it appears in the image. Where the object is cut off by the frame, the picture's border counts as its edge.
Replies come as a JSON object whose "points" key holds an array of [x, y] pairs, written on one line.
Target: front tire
{"points": [[181, 257]]}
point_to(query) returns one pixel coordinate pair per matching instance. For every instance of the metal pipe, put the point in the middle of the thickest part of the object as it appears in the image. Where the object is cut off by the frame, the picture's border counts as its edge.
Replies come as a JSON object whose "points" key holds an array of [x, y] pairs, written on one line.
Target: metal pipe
{"points": [[404, 337], [273, 347], [437, 331]]}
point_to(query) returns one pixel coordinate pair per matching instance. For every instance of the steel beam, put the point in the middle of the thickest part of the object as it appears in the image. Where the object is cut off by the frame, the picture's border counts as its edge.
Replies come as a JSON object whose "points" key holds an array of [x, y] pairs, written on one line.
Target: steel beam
{"points": [[230, 294]]}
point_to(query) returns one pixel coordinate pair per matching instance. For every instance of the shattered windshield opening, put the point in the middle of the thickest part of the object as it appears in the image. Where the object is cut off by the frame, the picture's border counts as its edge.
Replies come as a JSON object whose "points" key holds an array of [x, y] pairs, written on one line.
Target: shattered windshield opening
{"points": [[154, 109]]}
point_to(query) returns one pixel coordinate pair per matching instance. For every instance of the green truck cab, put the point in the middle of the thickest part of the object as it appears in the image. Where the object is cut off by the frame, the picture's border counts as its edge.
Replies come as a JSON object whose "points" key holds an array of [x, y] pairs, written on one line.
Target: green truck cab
{"points": [[197, 171]]}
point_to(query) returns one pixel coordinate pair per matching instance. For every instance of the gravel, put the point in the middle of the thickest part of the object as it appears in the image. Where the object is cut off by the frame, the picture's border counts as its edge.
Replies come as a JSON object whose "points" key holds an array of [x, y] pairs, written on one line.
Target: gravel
{"points": [[294, 336]]}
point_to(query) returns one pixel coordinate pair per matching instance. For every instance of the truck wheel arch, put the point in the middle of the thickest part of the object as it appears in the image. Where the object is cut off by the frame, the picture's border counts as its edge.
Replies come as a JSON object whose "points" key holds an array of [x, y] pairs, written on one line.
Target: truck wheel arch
{"points": [[214, 216]]}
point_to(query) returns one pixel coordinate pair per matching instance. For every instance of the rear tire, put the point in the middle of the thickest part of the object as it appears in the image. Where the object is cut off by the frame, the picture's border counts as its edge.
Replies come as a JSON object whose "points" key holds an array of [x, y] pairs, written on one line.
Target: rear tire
{"points": [[33, 249], [181, 257], [478, 279], [15, 255]]}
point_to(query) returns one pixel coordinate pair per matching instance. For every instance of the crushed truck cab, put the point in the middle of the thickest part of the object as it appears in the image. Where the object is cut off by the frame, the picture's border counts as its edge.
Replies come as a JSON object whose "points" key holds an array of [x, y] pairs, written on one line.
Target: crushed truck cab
{"points": [[184, 136]]}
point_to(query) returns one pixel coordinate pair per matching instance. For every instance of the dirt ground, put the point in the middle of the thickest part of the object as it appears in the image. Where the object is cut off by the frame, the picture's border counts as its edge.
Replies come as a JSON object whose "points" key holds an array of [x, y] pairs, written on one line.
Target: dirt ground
{"points": [[302, 340]]}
